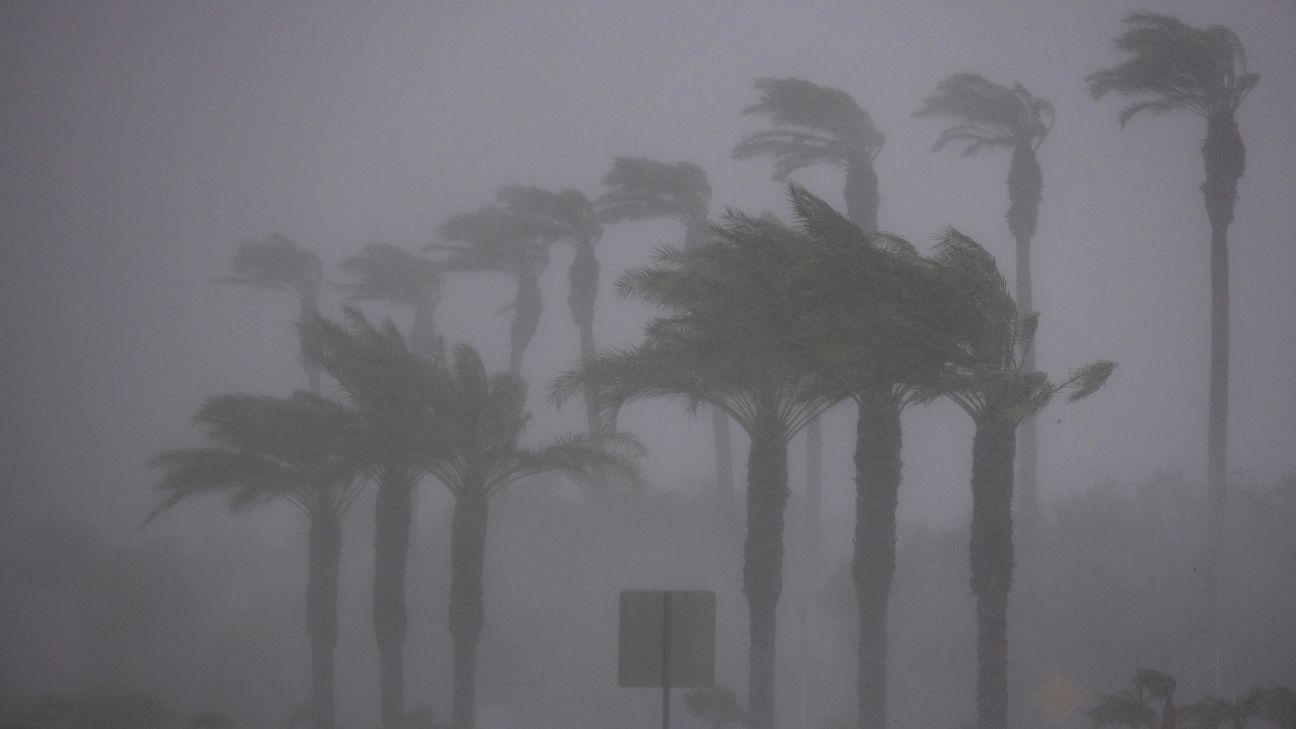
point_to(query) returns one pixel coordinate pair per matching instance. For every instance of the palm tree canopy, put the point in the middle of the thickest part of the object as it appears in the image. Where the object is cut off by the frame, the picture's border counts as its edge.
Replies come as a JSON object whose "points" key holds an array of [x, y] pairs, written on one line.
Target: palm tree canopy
{"points": [[642, 189], [494, 238], [564, 215], [304, 449], [817, 124], [990, 115], [987, 377], [726, 338], [278, 263], [392, 389], [485, 416], [384, 272], [1203, 70]]}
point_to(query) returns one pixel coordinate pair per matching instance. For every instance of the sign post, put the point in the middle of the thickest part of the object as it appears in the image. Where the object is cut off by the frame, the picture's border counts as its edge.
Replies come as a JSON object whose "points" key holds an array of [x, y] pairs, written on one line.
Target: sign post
{"points": [[666, 639]]}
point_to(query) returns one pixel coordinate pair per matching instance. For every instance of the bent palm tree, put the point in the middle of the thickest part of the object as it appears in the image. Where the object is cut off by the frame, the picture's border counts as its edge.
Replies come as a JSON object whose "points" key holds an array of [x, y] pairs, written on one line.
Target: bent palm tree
{"points": [[644, 189], [990, 116], [384, 272], [816, 124], [494, 238], [303, 449], [392, 390], [568, 215], [726, 340], [988, 381], [1175, 66], [873, 325], [279, 263], [484, 419]]}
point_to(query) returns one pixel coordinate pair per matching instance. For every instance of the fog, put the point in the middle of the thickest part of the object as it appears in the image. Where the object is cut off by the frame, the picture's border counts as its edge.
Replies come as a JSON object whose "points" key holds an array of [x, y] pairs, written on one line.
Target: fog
{"points": [[143, 142]]}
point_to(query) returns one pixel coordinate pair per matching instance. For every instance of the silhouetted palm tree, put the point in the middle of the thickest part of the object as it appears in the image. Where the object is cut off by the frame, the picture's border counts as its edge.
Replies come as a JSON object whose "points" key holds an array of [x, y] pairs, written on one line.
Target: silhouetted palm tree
{"points": [[568, 216], [990, 116], [1175, 66], [496, 239], [1134, 707], [392, 390], [305, 450], [280, 263], [384, 272], [644, 189], [484, 417], [987, 380], [726, 340]]}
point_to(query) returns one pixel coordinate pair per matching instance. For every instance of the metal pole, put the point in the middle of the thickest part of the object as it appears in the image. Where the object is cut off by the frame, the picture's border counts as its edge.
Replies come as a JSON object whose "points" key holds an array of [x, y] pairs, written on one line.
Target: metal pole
{"points": [[666, 631]]}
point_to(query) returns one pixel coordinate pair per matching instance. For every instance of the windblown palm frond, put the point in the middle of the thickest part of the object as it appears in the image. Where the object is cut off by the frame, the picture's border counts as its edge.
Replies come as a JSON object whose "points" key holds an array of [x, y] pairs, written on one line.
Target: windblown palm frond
{"points": [[1202, 70], [384, 272], [642, 189], [815, 124], [493, 238], [990, 115], [278, 263]]}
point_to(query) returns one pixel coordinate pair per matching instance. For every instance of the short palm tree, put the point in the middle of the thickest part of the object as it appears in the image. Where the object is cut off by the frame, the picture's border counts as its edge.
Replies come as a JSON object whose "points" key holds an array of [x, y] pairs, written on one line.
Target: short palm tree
{"points": [[496, 239], [1174, 66], [484, 418], [280, 263], [643, 189], [987, 380], [305, 450], [726, 341], [392, 391], [388, 273], [568, 216], [990, 116]]}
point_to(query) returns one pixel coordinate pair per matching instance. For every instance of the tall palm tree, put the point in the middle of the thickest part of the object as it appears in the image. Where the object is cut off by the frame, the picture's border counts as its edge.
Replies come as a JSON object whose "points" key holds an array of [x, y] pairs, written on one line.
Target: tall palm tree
{"points": [[726, 341], [645, 189], [988, 381], [874, 326], [496, 239], [393, 392], [1174, 66], [814, 124], [484, 418], [384, 272], [280, 263], [304, 450], [568, 216], [990, 116]]}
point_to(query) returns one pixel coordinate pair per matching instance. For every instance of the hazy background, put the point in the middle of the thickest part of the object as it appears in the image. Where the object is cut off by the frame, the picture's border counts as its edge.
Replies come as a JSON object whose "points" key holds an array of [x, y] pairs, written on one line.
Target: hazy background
{"points": [[141, 142]]}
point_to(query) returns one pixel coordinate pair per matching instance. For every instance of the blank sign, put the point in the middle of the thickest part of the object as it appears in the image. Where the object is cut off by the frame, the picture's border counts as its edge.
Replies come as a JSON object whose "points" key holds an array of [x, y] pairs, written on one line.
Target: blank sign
{"points": [[691, 642]]}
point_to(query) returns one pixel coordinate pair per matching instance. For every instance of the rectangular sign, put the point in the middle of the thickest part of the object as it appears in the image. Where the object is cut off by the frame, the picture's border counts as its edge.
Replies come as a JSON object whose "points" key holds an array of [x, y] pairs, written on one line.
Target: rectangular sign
{"points": [[680, 621]]}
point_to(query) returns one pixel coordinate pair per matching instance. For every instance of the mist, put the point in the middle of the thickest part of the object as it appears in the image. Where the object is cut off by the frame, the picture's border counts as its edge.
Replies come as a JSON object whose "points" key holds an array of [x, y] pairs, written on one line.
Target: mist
{"points": [[144, 143]]}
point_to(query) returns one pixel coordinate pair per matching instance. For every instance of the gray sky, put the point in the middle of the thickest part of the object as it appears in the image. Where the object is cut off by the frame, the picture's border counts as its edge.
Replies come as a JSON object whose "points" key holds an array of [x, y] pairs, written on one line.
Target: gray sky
{"points": [[141, 142]]}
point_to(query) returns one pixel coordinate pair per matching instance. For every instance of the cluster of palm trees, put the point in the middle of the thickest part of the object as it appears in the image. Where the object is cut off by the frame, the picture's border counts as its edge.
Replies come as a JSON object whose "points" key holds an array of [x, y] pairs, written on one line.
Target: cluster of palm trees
{"points": [[764, 324]]}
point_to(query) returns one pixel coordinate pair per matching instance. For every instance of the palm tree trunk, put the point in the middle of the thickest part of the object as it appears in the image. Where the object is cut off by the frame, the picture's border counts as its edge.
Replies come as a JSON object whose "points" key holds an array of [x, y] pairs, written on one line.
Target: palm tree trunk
{"points": [[1225, 158], [583, 276], [877, 488], [467, 569], [991, 551], [391, 547], [526, 318], [423, 338], [322, 615], [1025, 190], [767, 496]]}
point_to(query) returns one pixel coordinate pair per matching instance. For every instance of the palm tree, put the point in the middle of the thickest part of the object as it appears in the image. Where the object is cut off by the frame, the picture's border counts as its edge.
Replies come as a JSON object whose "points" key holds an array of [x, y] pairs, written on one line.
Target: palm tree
{"points": [[392, 390], [484, 419], [303, 450], [1134, 707], [384, 272], [1175, 66], [280, 263], [494, 238], [814, 124], [726, 341], [645, 189], [990, 116], [988, 381], [873, 326], [568, 215]]}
